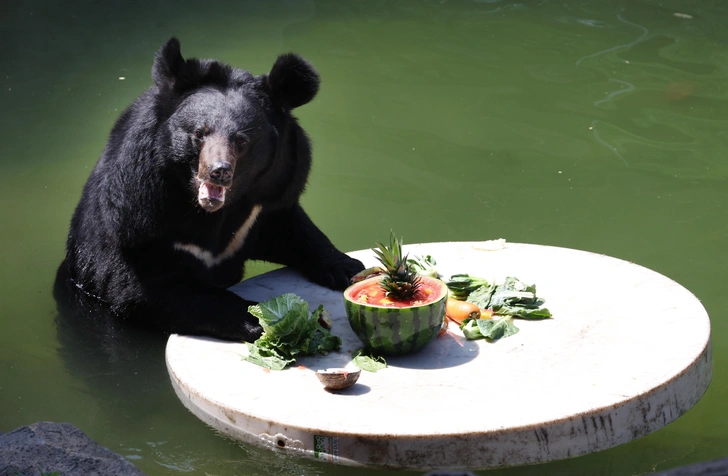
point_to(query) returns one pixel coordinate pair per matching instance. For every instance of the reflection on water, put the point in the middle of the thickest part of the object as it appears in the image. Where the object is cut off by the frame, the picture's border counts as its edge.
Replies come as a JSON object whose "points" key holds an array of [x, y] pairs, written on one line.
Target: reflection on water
{"points": [[591, 125], [120, 367], [124, 371]]}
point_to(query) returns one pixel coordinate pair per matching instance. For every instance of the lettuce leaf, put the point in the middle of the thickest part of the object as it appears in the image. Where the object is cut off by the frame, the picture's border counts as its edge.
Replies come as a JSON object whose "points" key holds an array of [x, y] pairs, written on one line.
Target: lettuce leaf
{"points": [[288, 332]]}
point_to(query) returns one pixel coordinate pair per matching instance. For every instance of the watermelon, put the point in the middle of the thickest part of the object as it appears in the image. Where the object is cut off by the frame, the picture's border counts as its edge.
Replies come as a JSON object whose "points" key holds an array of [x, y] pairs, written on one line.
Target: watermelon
{"points": [[396, 328]]}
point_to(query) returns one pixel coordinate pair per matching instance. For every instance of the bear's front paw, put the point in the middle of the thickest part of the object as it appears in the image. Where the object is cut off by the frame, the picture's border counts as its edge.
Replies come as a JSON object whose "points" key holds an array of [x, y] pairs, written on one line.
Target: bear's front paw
{"points": [[335, 274], [251, 331]]}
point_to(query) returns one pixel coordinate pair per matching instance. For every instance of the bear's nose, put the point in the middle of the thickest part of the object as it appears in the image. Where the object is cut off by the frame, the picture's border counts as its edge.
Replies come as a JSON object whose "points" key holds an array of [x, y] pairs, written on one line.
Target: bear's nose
{"points": [[221, 172]]}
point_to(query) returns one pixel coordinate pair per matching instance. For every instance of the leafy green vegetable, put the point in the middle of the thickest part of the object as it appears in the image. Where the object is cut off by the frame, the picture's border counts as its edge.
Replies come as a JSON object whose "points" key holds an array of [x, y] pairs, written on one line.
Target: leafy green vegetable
{"points": [[266, 358], [506, 297], [492, 329], [462, 285], [482, 295], [513, 292], [424, 266], [497, 328], [470, 329], [365, 360], [515, 284], [288, 332], [530, 313], [512, 299]]}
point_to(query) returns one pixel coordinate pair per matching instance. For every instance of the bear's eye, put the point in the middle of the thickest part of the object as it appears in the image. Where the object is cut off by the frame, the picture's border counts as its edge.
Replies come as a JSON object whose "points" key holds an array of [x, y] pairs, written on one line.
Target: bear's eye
{"points": [[199, 134], [241, 139]]}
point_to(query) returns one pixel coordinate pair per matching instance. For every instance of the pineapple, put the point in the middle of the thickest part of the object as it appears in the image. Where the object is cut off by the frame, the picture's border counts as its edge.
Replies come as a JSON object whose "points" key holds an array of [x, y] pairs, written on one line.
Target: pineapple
{"points": [[400, 281]]}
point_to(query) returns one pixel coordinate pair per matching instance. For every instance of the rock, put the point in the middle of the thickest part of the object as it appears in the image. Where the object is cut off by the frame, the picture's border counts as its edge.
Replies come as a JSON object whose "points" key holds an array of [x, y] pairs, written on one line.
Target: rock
{"points": [[58, 448]]}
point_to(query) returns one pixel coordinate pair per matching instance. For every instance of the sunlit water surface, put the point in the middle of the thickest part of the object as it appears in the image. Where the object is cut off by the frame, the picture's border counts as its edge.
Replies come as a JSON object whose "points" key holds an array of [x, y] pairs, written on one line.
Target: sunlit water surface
{"points": [[601, 126]]}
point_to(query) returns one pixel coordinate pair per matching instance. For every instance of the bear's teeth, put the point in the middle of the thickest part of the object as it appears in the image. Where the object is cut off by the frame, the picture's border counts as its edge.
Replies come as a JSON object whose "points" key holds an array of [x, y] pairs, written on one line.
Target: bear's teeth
{"points": [[211, 191]]}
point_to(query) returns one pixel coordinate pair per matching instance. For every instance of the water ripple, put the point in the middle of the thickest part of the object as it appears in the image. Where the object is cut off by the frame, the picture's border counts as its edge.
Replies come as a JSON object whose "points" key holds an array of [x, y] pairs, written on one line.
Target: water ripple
{"points": [[645, 32], [605, 143], [613, 94]]}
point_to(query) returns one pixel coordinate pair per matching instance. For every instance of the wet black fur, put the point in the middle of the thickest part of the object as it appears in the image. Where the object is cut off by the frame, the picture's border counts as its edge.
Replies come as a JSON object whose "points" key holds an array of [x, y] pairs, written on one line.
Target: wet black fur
{"points": [[140, 199]]}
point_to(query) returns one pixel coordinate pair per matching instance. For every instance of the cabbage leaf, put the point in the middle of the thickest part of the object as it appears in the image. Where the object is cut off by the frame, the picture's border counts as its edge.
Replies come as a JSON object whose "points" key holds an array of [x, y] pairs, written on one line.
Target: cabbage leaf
{"points": [[289, 331]]}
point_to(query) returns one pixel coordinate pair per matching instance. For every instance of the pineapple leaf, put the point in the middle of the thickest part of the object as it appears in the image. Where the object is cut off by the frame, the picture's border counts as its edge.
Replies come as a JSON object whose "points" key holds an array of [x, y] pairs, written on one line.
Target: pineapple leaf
{"points": [[400, 280]]}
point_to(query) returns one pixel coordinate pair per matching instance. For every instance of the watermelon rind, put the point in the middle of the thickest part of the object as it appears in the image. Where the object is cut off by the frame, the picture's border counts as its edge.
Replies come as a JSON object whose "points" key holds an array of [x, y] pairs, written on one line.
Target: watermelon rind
{"points": [[396, 331]]}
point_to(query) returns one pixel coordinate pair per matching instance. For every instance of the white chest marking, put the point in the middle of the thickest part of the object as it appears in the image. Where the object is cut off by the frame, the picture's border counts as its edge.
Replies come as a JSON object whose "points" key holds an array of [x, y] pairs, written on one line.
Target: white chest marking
{"points": [[210, 260]]}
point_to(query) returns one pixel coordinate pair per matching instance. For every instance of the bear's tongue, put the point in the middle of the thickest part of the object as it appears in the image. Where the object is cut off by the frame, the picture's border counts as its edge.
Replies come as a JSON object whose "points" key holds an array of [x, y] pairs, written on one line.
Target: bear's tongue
{"points": [[211, 192]]}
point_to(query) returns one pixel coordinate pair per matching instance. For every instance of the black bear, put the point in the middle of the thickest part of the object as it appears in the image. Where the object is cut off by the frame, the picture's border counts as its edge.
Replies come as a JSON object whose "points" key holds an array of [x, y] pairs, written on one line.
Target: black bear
{"points": [[201, 173]]}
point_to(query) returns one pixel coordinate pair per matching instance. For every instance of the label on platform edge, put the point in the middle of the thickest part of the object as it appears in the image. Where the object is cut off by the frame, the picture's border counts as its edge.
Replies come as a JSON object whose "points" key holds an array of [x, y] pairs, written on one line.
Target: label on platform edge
{"points": [[326, 448]]}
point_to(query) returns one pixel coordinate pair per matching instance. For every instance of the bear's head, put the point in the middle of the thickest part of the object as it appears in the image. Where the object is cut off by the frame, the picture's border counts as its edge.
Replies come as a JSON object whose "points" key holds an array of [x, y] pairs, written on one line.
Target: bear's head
{"points": [[229, 135]]}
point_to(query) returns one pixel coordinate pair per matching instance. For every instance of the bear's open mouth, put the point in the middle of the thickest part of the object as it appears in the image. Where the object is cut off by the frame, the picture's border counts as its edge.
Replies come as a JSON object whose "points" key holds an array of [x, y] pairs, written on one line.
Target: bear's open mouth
{"points": [[210, 196]]}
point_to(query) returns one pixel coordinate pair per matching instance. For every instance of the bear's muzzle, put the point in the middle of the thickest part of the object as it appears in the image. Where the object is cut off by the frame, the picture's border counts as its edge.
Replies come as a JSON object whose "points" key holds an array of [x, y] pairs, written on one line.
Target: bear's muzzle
{"points": [[214, 172]]}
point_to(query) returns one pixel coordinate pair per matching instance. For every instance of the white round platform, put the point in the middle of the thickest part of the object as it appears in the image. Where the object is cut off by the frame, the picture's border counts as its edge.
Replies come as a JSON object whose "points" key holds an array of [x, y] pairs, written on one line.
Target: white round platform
{"points": [[628, 352]]}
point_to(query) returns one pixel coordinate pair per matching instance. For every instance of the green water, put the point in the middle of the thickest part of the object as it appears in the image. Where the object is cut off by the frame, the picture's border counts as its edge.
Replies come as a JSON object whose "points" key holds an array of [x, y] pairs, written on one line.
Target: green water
{"points": [[593, 125]]}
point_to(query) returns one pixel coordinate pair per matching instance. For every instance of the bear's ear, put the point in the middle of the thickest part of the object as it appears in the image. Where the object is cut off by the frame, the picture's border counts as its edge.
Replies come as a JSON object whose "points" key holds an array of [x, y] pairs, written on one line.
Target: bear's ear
{"points": [[292, 81], [169, 66]]}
